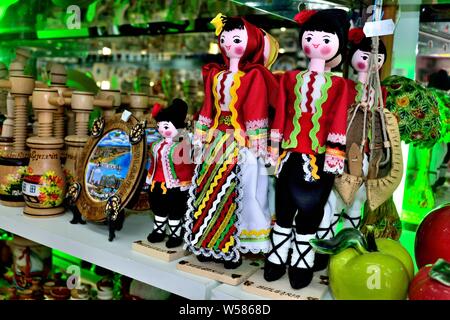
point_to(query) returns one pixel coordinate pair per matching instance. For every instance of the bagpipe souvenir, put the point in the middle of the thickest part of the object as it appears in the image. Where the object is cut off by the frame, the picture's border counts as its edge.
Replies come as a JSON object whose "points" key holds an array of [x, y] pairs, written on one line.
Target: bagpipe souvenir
{"points": [[228, 209], [310, 122]]}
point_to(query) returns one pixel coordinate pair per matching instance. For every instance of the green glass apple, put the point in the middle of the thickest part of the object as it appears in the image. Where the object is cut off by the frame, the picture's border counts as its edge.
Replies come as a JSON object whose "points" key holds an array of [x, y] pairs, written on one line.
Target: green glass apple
{"points": [[366, 268]]}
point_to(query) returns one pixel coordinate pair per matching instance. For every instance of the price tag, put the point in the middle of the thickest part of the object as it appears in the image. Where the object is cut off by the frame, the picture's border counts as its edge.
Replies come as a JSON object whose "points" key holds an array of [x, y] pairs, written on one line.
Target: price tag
{"points": [[125, 115], [379, 28]]}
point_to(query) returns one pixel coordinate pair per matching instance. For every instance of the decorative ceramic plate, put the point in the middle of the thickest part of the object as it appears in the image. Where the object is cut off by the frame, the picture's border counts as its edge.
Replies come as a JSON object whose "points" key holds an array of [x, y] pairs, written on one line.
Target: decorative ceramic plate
{"points": [[113, 164]]}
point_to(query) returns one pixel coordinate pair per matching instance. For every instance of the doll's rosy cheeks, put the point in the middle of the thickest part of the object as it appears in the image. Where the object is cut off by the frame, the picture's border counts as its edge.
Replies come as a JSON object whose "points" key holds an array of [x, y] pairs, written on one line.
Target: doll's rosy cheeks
{"points": [[307, 50], [325, 50], [239, 50], [361, 66]]}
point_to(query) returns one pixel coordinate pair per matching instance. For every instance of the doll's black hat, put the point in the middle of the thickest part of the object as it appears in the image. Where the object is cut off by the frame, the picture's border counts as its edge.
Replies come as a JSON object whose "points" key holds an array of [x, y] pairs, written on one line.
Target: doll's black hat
{"points": [[175, 113]]}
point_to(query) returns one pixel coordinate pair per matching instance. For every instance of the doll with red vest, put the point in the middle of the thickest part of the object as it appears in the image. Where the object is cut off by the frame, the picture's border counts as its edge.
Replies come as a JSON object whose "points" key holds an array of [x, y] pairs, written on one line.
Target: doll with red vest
{"points": [[310, 122], [228, 207], [170, 174]]}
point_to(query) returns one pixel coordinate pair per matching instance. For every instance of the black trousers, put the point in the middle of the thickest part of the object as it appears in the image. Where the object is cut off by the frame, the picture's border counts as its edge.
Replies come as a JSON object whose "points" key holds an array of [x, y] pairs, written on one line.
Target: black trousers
{"points": [[165, 202], [299, 193]]}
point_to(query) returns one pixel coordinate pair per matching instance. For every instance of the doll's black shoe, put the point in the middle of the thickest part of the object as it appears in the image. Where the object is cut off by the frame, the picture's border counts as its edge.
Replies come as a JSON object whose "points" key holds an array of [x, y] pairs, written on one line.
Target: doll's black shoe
{"points": [[302, 261], [174, 242], [202, 259], [299, 277], [158, 234], [321, 262], [232, 264], [272, 271], [155, 237], [277, 258]]}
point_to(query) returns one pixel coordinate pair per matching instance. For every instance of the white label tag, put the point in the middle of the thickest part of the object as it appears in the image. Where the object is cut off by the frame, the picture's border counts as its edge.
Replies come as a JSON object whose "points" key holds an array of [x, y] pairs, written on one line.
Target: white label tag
{"points": [[125, 115], [379, 28]]}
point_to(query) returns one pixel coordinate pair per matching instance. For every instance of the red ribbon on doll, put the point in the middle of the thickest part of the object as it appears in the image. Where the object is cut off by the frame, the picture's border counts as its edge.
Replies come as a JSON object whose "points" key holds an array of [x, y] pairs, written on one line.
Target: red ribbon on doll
{"points": [[156, 109], [356, 35], [304, 16]]}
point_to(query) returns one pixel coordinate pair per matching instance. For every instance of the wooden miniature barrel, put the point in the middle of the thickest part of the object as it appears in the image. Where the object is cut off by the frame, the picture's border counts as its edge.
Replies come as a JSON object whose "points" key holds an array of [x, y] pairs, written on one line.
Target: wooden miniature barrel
{"points": [[13, 166]]}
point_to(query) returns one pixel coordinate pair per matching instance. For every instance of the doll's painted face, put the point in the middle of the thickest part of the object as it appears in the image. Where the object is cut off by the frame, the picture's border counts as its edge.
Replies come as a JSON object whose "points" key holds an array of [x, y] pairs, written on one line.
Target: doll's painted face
{"points": [[320, 45], [360, 61], [234, 42], [167, 129]]}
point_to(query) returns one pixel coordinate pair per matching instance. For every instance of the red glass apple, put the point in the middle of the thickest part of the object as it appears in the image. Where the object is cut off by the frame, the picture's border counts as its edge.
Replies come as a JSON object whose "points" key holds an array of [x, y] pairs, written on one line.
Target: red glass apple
{"points": [[431, 282], [433, 237]]}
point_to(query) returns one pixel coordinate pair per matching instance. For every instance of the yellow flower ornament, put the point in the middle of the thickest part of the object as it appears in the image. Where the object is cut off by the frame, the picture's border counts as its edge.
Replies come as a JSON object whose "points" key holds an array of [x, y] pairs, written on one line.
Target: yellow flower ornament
{"points": [[217, 22]]}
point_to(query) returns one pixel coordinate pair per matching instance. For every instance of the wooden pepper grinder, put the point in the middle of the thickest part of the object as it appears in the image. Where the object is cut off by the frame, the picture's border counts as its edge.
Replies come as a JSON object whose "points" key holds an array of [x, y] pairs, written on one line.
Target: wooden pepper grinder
{"points": [[8, 124], [14, 162], [82, 104], [138, 104], [109, 111], [3, 93], [44, 184], [58, 79]]}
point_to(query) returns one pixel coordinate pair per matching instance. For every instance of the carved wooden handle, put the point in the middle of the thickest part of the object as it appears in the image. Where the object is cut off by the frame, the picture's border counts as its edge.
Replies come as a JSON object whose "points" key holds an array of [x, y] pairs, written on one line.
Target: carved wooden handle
{"points": [[5, 84], [104, 102], [56, 101]]}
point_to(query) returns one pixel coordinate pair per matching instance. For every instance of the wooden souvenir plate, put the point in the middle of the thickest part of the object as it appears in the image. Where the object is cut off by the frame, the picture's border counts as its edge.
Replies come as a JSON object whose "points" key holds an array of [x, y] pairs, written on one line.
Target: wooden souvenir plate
{"points": [[112, 166]]}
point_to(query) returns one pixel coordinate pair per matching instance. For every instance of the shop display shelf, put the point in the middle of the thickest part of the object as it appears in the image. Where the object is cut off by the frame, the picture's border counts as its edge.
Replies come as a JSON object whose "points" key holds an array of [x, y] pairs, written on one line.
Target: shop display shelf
{"points": [[90, 243], [227, 292]]}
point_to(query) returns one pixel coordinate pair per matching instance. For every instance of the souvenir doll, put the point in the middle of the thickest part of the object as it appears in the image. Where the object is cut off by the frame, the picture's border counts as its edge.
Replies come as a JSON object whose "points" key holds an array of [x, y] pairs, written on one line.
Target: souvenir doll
{"points": [[228, 208], [170, 174], [336, 208], [310, 121]]}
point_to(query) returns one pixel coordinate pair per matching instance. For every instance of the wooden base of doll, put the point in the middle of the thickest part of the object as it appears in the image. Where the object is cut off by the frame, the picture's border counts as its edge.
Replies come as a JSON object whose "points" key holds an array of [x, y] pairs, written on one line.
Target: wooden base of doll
{"points": [[282, 290], [44, 212], [159, 250], [12, 203], [216, 271]]}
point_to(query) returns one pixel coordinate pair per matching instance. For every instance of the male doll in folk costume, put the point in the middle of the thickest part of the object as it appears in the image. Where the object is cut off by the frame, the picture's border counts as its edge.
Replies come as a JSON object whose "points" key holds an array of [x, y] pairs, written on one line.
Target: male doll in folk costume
{"points": [[310, 122], [228, 207], [170, 174]]}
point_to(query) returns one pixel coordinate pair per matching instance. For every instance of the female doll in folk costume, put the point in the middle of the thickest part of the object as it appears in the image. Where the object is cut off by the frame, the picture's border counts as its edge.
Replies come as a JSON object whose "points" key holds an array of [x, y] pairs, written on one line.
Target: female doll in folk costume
{"points": [[228, 208], [170, 174], [310, 121], [360, 49]]}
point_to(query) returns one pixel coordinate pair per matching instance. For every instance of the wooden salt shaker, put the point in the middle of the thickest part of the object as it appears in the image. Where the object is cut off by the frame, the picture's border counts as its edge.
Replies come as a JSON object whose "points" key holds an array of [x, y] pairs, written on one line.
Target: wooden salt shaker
{"points": [[13, 162], [114, 95], [58, 79], [44, 184], [82, 104]]}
